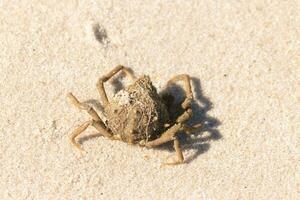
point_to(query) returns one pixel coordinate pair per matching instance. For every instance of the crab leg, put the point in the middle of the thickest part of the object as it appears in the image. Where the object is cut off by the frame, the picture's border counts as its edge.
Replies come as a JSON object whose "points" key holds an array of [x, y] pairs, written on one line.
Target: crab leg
{"points": [[103, 79], [77, 132], [187, 87], [167, 136], [170, 135], [83, 106], [178, 154], [96, 122]]}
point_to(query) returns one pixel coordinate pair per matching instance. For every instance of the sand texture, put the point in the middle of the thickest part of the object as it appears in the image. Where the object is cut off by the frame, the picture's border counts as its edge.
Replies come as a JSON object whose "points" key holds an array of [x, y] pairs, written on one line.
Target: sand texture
{"points": [[244, 60]]}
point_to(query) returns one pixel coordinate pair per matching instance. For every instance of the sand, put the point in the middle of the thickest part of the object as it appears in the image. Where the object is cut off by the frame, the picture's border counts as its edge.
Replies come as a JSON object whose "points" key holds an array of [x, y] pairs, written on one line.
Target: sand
{"points": [[244, 58]]}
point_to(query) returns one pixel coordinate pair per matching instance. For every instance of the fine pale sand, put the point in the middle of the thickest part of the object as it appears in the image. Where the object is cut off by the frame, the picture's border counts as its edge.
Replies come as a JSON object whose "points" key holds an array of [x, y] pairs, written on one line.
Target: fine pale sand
{"points": [[243, 56]]}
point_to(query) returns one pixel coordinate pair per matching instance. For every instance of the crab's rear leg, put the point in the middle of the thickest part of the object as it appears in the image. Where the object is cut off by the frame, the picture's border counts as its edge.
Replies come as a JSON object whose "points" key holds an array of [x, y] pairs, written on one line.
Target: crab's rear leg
{"points": [[77, 132], [170, 135], [103, 79], [179, 154], [96, 122], [187, 87]]}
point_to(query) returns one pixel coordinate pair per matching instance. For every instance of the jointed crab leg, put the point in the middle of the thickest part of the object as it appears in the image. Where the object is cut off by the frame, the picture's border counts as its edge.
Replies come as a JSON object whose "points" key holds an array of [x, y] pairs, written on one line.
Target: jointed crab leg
{"points": [[178, 153], [170, 135], [167, 136], [187, 87], [83, 106], [103, 79], [96, 122], [77, 132]]}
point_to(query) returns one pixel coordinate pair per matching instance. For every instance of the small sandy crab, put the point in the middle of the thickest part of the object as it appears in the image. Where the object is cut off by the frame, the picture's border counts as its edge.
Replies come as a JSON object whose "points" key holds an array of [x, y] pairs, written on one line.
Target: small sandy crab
{"points": [[137, 114]]}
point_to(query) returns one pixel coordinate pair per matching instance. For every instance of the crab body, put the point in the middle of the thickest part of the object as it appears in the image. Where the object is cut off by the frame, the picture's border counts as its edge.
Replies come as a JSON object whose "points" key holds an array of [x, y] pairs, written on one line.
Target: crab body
{"points": [[137, 112]]}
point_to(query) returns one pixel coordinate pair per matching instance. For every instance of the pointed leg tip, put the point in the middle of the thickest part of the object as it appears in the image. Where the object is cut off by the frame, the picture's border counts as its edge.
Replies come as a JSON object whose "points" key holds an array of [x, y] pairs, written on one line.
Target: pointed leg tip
{"points": [[171, 164], [76, 145], [79, 149], [72, 98]]}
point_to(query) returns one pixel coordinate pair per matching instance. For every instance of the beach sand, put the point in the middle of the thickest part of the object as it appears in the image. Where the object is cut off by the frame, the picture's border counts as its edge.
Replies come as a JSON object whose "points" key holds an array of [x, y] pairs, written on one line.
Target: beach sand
{"points": [[244, 60]]}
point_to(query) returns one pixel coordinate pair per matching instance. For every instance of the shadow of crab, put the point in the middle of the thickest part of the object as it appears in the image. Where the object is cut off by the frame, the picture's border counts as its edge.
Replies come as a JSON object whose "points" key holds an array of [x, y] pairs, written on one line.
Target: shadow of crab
{"points": [[195, 144], [199, 141]]}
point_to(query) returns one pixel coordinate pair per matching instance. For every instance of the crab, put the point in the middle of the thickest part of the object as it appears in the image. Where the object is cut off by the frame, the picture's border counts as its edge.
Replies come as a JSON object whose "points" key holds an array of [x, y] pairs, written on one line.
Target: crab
{"points": [[139, 115]]}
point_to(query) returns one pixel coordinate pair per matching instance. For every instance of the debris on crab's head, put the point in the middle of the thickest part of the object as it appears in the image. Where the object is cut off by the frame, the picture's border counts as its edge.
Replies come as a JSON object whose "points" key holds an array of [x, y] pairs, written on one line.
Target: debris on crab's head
{"points": [[137, 112]]}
